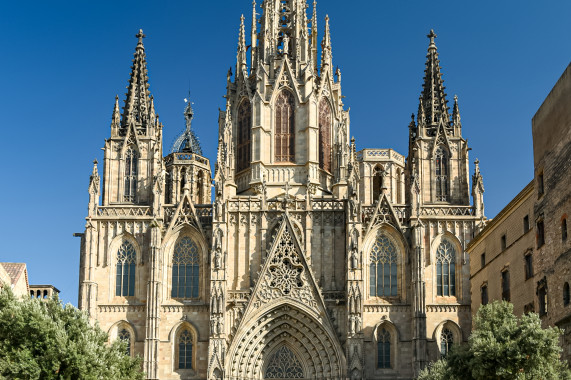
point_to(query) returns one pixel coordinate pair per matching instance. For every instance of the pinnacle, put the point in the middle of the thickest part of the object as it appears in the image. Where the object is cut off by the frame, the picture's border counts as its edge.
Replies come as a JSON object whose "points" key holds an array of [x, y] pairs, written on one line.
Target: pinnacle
{"points": [[140, 36]]}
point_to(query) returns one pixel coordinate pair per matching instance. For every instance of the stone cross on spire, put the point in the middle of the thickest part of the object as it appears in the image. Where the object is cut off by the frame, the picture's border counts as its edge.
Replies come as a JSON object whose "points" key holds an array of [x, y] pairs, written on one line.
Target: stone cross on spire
{"points": [[140, 36], [432, 36]]}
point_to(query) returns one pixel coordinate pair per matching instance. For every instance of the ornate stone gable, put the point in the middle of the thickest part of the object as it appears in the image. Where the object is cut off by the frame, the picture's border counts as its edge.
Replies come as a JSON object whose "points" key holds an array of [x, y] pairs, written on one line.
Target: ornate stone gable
{"points": [[185, 214], [384, 213]]}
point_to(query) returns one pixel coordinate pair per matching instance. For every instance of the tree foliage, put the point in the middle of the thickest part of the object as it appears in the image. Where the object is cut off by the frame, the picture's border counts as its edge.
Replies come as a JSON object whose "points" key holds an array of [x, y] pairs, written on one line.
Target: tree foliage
{"points": [[503, 347], [42, 339]]}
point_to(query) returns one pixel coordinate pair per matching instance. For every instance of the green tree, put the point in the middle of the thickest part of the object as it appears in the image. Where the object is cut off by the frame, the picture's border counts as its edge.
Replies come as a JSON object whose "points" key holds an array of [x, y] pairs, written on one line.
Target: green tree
{"points": [[503, 347], [42, 339]]}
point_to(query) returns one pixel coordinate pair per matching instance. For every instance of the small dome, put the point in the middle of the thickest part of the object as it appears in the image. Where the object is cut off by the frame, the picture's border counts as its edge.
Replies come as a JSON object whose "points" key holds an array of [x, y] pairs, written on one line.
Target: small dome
{"points": [[187, 142]]}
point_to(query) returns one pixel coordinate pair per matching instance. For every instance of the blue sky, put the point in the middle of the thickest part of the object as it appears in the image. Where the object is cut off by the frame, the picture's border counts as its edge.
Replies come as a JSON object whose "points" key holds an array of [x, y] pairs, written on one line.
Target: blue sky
{"points": [[62, 62]]}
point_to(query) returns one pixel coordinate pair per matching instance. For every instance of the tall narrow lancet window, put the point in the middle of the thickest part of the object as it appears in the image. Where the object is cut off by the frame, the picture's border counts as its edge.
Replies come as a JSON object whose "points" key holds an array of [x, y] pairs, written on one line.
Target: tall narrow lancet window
{"points": [[131, 170], [244, 136], [185, 269], [383, 268], [446, 269], [125, 336], [200, 188], [285, 128], [441, 174], [399, 186], [377, 182], [185, 350], [126, 261], [325, 135], [446, 341], [384, 349]]}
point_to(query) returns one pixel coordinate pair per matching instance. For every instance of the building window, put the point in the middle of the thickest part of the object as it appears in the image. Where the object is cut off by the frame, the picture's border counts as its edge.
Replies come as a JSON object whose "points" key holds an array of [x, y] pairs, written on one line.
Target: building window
{"points": [[484, 293], [384, 349], [131, 170], [125, 336], [540, 234], [383, 267], [564, 229], [244, 135], [126, 260], [525, 224], [506, 285], [285, 128], [324, 135], [441, 175], [566, 295], [377, 182], [540, 188], [446, 341], [503, 242], [185, 350], [284, 365], [445, 269], [399, 186], [542, 296], [528, 266], [185, 269], [483, 259]]}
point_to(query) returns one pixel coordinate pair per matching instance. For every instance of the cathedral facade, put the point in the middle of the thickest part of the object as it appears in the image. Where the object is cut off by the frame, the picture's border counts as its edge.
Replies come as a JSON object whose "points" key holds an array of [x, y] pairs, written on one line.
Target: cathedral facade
{"points": [[310, 260]]}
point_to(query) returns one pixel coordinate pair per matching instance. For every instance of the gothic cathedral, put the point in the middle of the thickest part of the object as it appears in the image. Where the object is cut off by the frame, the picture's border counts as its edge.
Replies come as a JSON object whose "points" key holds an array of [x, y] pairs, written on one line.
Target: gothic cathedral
{"points": [[310, 260]]}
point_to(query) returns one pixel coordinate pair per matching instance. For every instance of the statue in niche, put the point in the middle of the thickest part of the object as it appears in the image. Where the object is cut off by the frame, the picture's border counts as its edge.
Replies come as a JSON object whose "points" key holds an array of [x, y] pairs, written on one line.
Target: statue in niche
{"points": [[217, 259], [354, 259]]}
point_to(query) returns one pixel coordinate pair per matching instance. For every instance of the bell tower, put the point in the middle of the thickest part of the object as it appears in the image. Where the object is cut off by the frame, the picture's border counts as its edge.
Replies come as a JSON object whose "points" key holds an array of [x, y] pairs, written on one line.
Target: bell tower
{"points": [[284, 120]]}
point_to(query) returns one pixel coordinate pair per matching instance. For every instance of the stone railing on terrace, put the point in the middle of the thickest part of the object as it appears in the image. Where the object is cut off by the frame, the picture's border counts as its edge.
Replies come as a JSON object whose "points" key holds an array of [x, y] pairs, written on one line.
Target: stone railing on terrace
{"points": [[123, 211], [185, 157], [380, 155], [447, 211], [245, 204]]}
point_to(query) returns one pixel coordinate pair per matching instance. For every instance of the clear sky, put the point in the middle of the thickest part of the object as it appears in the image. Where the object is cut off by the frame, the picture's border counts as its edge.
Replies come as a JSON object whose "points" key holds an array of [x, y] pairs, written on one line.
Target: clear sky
{"points": [[62, 62]]}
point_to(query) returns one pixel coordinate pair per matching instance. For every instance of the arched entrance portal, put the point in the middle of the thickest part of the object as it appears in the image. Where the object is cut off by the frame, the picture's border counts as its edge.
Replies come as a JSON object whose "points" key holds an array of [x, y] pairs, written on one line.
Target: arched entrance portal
{"points": [[285, 343]]}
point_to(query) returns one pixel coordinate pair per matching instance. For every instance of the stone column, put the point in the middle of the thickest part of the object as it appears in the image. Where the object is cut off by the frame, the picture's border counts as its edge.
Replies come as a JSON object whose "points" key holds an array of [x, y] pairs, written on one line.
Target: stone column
{"points": [[153, 304]]}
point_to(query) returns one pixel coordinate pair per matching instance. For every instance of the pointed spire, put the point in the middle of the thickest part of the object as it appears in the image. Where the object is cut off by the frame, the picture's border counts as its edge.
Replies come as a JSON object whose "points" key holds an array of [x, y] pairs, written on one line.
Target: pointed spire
{"points": [[326, 56], [456, 114], [478, 190], [314, 36], [115, 117], [94, 172], [187, 142], [137, 103], [433, 98], [241, 59], [254, 31]]}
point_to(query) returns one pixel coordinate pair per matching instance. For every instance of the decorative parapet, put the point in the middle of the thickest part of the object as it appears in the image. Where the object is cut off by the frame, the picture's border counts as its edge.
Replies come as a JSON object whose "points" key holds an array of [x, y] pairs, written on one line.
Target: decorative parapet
{"points": [[447, 211], [380, 155], [184, 158], [448, 308], [387, 308], [367, 213], [121, 308], [245, 204], [238, 296], [184, 308], [123, 211], [324, 204]]}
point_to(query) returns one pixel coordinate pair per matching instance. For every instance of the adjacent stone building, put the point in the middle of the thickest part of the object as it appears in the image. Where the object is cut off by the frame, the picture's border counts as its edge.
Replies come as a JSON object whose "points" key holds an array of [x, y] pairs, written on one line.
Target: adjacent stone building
{"points": [[314, 261], [15, 275]]}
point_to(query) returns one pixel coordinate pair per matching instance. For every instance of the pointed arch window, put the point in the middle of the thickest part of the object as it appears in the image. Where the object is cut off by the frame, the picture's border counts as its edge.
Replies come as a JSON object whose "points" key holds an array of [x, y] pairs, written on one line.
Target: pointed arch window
{"points": [[285, 128], [384, 349], [284, 365], [383, 268], [131, 170], [446, 341], [185, 269], [126, 261], [325, 135], [125, 336], [200, 188], [441, 174], [185, 350], [244, 135], [445, 269], [377, 182], [399, 186]]}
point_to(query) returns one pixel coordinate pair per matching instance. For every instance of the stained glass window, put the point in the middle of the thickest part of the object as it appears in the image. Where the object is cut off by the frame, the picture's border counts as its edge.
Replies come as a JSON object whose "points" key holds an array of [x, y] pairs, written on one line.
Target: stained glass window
{"points": [[324, 135], [446, 269], [131, 169], [185, 269], [185, 350], [125, 336], [126, 261], [244, 135], [446, 340], [284, 365], [285, 128], [384, 349], [441, 166], [383, 267]]}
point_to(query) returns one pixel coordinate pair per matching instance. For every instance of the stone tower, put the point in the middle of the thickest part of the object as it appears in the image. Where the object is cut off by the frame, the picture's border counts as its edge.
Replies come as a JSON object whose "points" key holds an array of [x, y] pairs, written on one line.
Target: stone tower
{"points": [[315, 261]]}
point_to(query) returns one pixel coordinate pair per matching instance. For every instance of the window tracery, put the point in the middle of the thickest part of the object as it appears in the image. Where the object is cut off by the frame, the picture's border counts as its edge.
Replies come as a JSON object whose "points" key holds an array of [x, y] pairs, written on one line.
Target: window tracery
{"points": [[125, 277], [441, 174], [445, 269], [384, 349], [446, 341], [185, 269], [383, 267], [285, 128], [324, 135], [284, 365], [125, 336], [244, 135], [185, 350], [131, 170]]}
